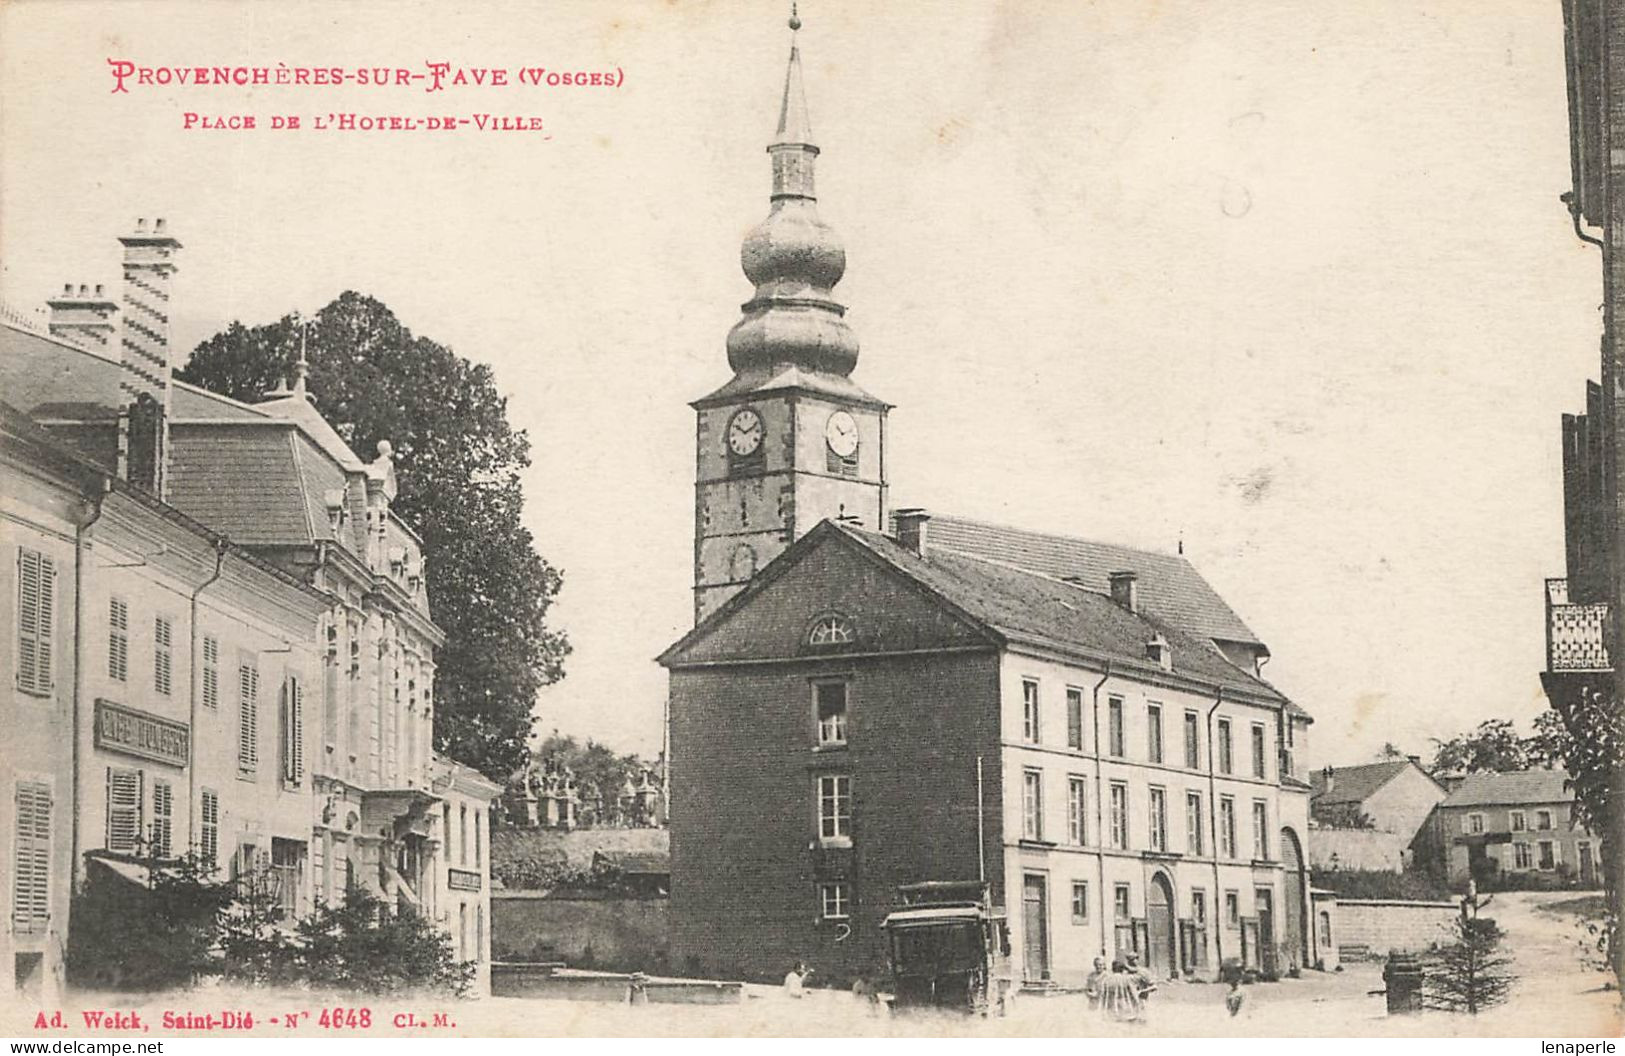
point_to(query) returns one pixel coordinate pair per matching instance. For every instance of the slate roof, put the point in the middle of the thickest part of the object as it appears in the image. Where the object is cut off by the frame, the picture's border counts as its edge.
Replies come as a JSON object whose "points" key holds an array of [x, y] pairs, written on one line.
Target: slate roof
{"points": [[245, 481], [636, 863], [1169, 585], [1354, 784], [784, 376], [1520, 786], [1023, 606]]}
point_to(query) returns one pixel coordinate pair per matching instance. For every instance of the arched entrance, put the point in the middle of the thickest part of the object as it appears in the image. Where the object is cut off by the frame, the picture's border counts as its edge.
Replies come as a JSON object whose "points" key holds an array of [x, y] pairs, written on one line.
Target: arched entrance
{"points": [[1294, 922], [1159, 925]]}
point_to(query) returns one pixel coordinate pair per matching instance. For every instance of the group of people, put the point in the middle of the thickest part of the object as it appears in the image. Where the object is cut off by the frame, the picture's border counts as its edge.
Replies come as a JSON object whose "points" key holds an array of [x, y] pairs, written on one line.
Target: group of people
{"points": [[1121, 993]]}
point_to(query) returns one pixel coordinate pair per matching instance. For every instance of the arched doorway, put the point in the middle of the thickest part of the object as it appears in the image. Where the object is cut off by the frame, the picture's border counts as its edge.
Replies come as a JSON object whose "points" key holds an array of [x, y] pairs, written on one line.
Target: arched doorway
{"points": [[1159, 925], [1294, 922]]}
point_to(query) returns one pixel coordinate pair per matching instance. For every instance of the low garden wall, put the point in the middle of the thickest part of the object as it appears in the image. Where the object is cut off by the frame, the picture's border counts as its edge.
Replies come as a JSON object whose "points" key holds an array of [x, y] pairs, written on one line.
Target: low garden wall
{"points": [[1376, 927], [583, 929]]}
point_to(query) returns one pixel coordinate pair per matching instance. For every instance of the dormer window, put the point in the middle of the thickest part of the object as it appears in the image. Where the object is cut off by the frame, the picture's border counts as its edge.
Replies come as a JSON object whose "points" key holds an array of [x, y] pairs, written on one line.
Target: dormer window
{"points": [[832, 629]]}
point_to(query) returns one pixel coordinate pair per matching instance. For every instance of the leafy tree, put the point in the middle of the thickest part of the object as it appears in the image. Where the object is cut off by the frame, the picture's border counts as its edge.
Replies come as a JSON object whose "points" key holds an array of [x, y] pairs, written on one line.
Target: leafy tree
{"points": [[1550, 743], [256, 949], [458, 463], [1470, 973], [155, 934], [1495, 745], [355, 946]]}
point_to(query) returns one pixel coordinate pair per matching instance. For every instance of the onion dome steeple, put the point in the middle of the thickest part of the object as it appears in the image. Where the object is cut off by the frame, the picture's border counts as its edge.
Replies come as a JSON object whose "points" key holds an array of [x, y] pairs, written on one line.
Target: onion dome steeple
{"points": [[793, 258]]}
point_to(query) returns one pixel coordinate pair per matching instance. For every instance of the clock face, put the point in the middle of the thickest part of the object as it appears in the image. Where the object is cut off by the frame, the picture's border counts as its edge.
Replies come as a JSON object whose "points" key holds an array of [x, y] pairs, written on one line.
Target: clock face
{"points": [[841, 433], [745, 432]]}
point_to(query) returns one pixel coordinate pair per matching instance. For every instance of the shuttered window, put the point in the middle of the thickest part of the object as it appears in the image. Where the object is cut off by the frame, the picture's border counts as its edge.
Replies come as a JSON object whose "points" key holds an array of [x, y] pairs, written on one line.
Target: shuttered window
{"points": [[31, 880], [209, 827], [123, 810], [163, 662], [118, 639], [293, 731], [248, 718], [36, 621], [211, 672], [163, 818]]}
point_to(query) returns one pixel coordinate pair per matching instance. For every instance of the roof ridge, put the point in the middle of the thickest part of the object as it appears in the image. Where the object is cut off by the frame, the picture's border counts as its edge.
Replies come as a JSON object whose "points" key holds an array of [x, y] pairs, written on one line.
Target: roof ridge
{"points": [[978, 522]]}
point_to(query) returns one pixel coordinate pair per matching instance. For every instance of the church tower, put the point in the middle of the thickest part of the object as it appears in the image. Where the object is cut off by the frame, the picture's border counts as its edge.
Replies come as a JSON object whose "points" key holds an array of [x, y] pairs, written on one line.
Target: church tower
{"points": [[791, 440]]}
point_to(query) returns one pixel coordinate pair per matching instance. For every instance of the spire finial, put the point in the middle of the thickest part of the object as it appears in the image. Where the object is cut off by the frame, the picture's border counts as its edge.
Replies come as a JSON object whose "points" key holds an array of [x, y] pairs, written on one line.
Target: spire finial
{"points": [[301, 366], [795, 19]]}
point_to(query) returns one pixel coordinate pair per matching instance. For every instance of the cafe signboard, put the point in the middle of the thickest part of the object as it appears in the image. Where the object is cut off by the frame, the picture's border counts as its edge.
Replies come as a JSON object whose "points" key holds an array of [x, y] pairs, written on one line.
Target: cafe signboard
{"points": [[122, 729], [462, 880]]}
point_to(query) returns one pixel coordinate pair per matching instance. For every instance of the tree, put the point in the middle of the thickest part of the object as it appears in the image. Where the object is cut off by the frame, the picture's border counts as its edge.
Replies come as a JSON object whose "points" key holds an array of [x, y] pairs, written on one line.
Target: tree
{"points": [[155, 934], [1471, 973], [458, 464], [1495, 745], [357, 945], [1550, 743]]}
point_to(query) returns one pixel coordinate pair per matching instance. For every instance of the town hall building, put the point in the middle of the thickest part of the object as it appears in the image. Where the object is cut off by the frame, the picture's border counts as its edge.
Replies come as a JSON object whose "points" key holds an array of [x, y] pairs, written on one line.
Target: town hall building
{"points": [[874, 697]]}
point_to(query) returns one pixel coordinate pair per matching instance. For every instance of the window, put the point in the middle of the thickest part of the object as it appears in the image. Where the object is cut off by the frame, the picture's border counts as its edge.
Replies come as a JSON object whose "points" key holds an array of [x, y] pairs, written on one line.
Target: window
{"points": [[211, 672], [1193, 823], [1120, 907], [477, 848], [832, 630], [1029, 711], [209, 827], [1159, 819], [1258, 751], [288, 869], [1543, 820], [118, 639], [1232, 909], [1548, 854], [1032, 805], [1119, 815], [248, 718], [1080, 902], [1325, 929], [1077, 811], [1199, 907], [163, 659], [1074, 718], [1227, 826], [123, 810], [834, 903], [1193, 743], [36, 625], [462, 834], [829, 699], [1226, 763], [163, 818], [1153, 732], [31, 880], [1114, 721], [1519, 822], [1522, 857], [1261, 830], [293, 731], [1474, 823], [479, 931], [835, 807]]}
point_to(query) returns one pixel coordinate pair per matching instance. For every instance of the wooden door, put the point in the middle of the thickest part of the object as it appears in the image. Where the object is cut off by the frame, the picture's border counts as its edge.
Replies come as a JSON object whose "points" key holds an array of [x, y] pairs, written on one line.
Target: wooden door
{"points": [[1588, 868], [1159, 921], [1035, 927]]}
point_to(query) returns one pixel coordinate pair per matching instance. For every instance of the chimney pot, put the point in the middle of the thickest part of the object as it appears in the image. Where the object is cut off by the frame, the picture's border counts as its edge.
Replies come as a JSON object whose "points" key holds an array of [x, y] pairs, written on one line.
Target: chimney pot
{"points": [[82, 291], [67, 289], [141, 223], [99, 289], [911, 532], [1125, 590], [159, 225]]}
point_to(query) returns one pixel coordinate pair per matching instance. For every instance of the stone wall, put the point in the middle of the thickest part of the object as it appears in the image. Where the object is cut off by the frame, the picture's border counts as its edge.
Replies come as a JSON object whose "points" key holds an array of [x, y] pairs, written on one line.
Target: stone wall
{"points": [[1357, 849], [515, 851], [1376, 927], [586, 929]]}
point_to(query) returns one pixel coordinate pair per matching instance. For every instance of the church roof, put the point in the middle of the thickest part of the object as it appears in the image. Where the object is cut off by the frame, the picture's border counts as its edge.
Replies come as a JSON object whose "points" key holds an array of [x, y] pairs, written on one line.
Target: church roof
{"points": [[1020, 606], [1169, 585]]}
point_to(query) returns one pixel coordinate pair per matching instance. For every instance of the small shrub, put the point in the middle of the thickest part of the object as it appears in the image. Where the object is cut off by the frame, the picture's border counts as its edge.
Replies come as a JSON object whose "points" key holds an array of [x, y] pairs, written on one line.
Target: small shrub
{"points": [[129, 936]]}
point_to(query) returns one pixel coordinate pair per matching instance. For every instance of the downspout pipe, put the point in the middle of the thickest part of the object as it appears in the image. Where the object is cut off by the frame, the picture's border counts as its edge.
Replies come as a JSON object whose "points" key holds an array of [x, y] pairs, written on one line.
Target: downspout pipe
{"points": [[103, 486], [1216, 911], [192, 807], [1100, 830]]}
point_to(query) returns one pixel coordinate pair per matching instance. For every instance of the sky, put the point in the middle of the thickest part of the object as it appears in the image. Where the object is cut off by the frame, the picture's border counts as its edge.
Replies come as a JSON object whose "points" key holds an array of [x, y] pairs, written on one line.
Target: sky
{"points": [[1288, 283]]}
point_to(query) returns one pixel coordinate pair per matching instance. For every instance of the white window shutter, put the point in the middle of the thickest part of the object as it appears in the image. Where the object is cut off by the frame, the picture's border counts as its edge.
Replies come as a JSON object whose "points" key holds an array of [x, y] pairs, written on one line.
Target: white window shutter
{"points": [[123, 810], [36, 599], [31, 882]]}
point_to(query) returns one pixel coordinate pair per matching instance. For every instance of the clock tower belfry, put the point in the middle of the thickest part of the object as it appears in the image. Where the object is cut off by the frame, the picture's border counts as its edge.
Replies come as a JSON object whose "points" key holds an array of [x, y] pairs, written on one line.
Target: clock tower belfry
{"points": [[791, 440]]}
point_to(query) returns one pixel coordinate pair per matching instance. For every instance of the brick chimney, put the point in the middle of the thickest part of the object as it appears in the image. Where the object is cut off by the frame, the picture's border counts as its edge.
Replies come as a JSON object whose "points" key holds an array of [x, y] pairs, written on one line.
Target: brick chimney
{"points": [[1126, 590], [911, 524], [149, 265], [83, 317]]}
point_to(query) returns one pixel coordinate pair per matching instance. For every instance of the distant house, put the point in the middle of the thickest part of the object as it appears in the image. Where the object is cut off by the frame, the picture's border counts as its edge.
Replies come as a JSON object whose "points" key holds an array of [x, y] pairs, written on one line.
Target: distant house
{"points": [[1390, 801], [1514, 828]]}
